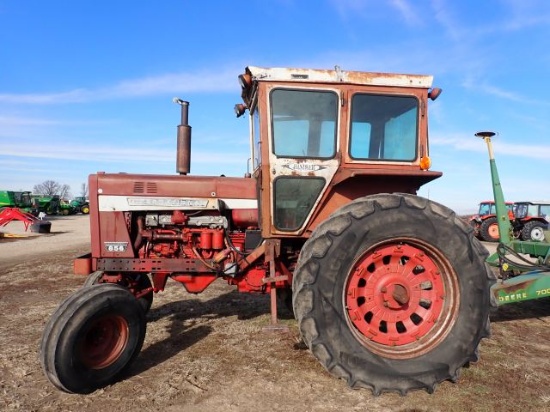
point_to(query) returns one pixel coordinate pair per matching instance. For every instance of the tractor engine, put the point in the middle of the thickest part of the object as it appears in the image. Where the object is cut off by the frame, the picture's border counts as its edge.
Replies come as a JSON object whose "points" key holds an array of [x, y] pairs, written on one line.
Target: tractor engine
{"points": [[189, 236], [146, 225], [201, 246], [180, 235]]}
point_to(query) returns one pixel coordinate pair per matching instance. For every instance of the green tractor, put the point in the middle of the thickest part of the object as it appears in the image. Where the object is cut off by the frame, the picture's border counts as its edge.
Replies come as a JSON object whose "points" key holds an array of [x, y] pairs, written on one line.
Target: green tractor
{"points": [[45, 204], [524, 265], [52, 205], [65, 208], [81, 204]]}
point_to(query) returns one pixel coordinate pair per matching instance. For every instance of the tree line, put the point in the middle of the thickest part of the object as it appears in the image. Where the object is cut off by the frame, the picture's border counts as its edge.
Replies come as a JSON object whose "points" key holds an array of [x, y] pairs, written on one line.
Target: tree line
{"points": [[52, 188]]}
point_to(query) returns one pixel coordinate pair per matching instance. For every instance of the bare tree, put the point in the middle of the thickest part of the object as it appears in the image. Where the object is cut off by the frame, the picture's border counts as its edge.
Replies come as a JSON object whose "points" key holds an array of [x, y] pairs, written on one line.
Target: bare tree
{"points": [[52, 188], [47, 188], [84, 190], [65, 192]]}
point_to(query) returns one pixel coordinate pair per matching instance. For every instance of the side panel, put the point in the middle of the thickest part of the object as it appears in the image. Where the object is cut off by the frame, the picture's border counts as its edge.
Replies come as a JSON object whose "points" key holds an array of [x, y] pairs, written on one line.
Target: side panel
{"points": [[114, 197]]}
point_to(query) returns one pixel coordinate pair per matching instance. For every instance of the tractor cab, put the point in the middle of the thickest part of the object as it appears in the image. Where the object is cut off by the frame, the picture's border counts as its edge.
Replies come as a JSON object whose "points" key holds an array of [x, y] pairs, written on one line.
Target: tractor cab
{"points": [[320, 138]]}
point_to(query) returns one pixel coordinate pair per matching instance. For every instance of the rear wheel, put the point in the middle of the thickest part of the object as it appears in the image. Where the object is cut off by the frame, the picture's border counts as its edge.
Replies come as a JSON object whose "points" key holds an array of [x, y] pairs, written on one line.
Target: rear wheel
{"points": [[91, 338], [382, 302], [489, 230], [475, 226], [533, 230]]}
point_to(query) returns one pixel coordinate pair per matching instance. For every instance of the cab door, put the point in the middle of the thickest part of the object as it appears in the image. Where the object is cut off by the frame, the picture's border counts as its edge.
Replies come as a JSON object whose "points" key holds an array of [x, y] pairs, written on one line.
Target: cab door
{"points": [[302, 154]]}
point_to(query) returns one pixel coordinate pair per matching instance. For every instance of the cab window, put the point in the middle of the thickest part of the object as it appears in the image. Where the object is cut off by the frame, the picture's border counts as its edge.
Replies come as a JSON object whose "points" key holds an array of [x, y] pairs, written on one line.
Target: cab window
{"points": [[304, 123], [383, 127]]}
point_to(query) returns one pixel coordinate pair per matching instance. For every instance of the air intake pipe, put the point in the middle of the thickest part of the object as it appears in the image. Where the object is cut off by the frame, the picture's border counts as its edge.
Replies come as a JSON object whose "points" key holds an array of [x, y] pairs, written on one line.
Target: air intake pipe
{"points": [[183, 157]]}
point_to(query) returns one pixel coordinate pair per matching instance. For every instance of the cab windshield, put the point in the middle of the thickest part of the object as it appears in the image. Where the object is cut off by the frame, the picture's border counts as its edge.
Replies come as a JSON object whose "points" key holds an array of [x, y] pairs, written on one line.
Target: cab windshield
{"points": [[383, 127]]}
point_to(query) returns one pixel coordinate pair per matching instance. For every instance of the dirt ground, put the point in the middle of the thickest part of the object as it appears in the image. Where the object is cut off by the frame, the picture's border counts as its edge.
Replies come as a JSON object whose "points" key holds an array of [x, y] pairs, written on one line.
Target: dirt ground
{"points": [[211, 352]]}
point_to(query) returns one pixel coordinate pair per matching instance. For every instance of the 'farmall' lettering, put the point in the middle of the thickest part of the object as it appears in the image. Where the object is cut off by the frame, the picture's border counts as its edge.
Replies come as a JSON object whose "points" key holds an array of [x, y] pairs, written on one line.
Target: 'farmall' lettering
{"points": [[167, 202], [304, 167]]}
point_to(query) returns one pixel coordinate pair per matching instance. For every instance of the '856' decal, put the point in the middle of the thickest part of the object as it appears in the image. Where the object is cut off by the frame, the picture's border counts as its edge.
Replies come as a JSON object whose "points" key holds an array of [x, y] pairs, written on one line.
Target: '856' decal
{"points": [[115, 246]]}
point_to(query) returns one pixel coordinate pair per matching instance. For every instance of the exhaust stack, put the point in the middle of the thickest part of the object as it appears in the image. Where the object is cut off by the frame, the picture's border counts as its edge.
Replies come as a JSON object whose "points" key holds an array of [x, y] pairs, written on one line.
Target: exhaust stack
{"points": [[183, 156]]}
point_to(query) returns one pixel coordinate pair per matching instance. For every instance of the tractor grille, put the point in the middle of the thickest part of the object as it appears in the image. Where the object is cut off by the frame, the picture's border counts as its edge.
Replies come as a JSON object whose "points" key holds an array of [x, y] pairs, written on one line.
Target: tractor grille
{"points": [[145, 187]]}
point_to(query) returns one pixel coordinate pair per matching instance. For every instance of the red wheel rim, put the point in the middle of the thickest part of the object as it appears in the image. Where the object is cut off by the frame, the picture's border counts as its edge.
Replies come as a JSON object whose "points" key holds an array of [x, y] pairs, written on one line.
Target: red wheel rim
{"points": [[104, 341], [401, 298], [493, 231]]}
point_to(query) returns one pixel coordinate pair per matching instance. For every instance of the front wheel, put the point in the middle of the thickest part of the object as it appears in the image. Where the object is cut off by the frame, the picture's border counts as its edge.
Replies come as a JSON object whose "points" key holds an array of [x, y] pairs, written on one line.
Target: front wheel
{"points": [[91, 338], [392, 293]]}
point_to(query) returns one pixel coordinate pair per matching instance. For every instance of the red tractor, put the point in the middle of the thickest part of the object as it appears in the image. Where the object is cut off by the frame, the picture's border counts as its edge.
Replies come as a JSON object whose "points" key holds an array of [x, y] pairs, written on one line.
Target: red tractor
{"points": [[390, 291], [485, 223], [531, 220]]}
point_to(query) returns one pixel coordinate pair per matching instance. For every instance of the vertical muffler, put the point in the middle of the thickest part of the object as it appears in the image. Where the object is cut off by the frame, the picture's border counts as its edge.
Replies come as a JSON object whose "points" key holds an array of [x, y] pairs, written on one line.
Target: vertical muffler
{"points": [[183, 156]]}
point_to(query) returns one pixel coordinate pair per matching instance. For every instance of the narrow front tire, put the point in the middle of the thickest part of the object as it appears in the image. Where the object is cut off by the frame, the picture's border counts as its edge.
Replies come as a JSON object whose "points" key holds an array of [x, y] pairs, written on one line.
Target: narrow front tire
{"points": [[91, 338]]}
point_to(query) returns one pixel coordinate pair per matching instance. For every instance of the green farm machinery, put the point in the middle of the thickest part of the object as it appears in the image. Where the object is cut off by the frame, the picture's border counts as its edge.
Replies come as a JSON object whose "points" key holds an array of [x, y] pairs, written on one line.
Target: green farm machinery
{"points": [[21, 200], [524, 265], [81, 205], [18, 206], [52, 205]]}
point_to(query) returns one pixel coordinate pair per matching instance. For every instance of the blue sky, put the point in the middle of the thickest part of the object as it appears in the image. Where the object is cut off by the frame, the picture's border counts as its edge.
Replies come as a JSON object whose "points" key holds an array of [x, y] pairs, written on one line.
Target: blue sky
{"points": [[87, 86]]}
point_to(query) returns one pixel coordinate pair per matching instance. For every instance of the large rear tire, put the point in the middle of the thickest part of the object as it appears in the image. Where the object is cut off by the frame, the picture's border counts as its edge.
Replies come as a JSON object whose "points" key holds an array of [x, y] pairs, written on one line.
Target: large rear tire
{"points": [[91, 338], [533, 231], [391, 293], [489, 230]]}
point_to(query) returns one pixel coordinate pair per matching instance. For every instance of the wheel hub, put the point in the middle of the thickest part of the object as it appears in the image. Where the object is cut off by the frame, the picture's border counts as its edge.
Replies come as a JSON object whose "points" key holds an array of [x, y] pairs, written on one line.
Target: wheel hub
{"points": [[104, 342], [394, 295], [537, 234]]}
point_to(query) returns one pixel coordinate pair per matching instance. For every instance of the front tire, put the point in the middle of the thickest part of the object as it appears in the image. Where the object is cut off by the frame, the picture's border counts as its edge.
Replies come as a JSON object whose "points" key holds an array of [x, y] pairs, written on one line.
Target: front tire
{"points": [[392, 293], [91, 338]]}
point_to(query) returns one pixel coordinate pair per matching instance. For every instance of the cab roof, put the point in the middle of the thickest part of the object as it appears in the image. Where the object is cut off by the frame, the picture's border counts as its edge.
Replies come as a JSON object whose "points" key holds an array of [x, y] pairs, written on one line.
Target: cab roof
{"points": [[339, 76]]}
